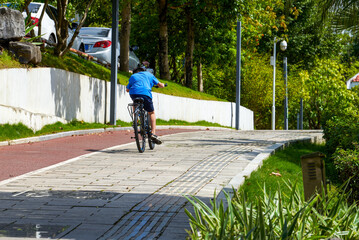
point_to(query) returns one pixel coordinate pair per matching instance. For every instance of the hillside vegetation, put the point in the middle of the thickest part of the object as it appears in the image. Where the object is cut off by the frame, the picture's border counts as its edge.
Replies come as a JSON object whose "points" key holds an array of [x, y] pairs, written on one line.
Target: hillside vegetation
{"points": [[74, 63]]}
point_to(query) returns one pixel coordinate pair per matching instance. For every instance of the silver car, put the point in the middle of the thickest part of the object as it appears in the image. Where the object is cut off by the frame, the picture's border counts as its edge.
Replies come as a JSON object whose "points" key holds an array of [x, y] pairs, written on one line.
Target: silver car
{"points": [[98, 43]]}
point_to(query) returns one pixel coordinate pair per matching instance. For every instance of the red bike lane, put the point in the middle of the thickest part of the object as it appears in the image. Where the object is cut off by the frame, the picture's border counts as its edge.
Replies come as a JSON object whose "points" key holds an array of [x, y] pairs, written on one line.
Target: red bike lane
{"points": [[19, 159]]}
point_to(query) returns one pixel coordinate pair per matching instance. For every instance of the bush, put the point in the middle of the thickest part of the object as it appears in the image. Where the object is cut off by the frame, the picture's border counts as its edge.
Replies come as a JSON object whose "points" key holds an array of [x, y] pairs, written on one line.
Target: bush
{"points": [[341, 132], [347, 164]]}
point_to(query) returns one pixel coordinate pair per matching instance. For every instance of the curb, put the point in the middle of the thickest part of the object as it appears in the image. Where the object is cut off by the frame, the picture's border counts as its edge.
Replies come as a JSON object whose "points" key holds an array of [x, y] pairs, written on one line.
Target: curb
{"points": [[94, 131]]}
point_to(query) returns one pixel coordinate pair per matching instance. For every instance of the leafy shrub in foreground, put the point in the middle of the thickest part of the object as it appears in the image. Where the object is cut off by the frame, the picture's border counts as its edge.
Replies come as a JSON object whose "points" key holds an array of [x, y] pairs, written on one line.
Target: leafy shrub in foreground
{"points": [[275, 216]]}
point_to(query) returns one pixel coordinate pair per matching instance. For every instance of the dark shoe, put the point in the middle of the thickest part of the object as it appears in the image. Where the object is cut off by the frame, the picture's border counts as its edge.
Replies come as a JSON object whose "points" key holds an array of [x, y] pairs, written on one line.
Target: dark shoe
{"points": [[155, 139]]}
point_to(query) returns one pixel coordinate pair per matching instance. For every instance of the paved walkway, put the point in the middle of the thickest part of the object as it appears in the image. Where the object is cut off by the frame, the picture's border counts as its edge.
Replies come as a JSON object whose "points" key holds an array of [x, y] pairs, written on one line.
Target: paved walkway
{"points": [[118, 193]]}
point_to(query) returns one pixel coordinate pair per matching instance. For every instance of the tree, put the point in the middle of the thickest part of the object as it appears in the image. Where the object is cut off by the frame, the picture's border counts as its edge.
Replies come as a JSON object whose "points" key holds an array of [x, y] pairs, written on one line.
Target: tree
{"points": [[145, 29], [323, 91], [190, 46], [46, 3], [125, 35], [163, 40], [62, 25]]}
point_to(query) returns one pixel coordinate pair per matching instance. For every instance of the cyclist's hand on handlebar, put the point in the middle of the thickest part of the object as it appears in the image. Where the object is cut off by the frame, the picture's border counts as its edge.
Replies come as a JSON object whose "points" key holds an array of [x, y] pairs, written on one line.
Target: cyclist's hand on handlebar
{"points": [[161, 85]]}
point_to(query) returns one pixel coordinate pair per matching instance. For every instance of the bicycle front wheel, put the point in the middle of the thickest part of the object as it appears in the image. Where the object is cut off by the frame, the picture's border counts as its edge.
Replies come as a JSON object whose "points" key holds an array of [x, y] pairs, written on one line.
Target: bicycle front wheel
{"points": [[140, 135]]}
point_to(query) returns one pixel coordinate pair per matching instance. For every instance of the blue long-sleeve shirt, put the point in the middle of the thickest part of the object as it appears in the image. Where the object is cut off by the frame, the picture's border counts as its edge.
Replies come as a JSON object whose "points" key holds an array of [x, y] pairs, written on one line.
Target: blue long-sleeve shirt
{"points": [[141, 83]]}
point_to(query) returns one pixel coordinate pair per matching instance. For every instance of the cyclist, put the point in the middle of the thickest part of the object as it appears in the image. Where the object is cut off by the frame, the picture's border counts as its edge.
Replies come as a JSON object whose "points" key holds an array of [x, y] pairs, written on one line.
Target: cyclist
{"points": [[140, 85]]}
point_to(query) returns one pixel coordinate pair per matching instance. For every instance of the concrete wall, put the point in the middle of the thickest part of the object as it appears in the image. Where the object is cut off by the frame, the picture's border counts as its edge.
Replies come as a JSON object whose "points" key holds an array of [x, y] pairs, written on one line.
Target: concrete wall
{"points": [[41, 96]]}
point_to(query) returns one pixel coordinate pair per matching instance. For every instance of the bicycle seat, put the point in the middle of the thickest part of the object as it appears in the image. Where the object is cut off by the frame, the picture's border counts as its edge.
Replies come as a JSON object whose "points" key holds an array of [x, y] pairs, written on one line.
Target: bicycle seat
{"points": [[138, 100]]}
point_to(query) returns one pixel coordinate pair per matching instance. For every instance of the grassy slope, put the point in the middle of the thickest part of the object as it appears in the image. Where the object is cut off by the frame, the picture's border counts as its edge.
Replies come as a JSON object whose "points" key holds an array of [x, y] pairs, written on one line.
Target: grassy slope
{"points": [[74, 63]]}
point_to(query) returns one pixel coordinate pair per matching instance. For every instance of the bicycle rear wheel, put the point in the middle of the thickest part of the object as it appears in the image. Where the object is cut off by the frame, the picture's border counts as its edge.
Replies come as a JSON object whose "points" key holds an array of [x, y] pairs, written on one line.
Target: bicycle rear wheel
{"points": [[140, 135], [150, 142]]}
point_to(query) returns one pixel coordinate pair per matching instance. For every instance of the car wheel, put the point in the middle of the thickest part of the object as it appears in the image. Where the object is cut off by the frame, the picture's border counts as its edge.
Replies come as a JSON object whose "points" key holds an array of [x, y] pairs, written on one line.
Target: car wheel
{"points": [[52, 39]]}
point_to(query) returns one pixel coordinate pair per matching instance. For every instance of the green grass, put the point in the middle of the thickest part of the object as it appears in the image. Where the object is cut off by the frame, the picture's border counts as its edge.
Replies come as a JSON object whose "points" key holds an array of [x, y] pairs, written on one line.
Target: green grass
{"points": [[8, 61], [16, 131], [285, 162], [73, 125], [184, 123], [173, 122]]}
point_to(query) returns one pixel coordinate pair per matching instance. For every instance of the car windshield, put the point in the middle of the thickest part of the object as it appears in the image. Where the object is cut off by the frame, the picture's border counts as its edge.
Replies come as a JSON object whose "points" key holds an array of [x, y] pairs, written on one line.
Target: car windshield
{"points": [[34, 8], [97, 32]]}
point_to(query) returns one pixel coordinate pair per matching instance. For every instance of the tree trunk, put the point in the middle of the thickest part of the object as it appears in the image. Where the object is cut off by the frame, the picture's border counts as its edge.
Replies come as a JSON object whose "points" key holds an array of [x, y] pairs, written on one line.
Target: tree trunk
{"points": [[125, 35], [190, 47], [41, 17], [175, 73], [163, 41], [61, 27], [82, 21], [199, 76]]}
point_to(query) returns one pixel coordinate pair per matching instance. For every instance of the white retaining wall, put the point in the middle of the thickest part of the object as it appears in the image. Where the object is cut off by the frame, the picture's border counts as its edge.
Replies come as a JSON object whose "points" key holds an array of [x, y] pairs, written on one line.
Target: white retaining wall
{"points": [[41, 96]]}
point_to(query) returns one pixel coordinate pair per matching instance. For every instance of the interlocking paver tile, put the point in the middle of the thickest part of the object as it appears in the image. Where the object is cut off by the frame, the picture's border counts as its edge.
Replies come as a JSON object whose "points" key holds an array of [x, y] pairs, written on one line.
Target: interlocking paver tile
{"points": [[122, 194]]}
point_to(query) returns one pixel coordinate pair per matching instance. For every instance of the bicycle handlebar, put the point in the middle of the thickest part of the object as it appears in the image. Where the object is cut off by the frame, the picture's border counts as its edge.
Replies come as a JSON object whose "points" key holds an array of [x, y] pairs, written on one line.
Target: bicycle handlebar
{"points": [[158, 87]]}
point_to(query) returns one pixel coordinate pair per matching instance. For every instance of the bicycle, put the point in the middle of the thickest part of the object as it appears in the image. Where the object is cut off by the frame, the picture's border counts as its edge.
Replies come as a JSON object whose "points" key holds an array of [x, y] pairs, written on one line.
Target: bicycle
{"points": [[141, 124]]}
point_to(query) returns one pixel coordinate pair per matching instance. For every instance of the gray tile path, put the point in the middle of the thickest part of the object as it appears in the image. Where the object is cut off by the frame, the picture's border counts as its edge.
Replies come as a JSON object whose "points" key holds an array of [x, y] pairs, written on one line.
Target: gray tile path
{"points": [[118, 193]]}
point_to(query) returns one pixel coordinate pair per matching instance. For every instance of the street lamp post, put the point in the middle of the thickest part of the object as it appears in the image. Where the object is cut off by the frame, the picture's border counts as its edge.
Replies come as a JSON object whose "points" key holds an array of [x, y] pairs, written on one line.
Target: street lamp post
{"points": [[238, 77], [286, 94], [283, 46], [114, 60]]}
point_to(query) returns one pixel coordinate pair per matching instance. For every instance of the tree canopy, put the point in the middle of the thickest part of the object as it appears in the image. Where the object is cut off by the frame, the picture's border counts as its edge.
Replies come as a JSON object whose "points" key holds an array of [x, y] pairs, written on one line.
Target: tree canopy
{"points": [[183, 37]]}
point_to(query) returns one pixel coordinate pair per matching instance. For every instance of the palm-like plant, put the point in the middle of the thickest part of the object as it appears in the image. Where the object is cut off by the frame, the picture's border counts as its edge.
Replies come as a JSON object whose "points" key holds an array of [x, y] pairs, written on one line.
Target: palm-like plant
{"points": [[342, 13]]}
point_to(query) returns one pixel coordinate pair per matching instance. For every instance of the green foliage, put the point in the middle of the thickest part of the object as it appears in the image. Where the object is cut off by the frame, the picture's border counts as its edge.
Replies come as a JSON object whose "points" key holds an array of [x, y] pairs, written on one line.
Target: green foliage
{"points": [[274, 216], [347, 164], [323, 91], [341, 132], [257, 89]]}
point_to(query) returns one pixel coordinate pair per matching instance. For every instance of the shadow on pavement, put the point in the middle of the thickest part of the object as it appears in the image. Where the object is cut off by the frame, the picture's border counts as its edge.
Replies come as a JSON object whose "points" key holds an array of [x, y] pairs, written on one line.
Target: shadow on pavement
{"points": [[91, 215]]}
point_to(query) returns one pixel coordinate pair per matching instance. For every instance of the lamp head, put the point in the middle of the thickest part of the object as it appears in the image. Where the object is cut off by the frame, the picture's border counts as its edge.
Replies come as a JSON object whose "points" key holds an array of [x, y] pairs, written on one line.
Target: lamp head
{"points": [[283, 45]]}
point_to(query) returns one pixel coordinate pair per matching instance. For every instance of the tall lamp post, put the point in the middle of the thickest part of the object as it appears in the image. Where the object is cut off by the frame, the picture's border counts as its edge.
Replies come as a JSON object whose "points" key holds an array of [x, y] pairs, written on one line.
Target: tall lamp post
{"points": [[286, 94], [283, 47], [114, 60], [238, 75]]}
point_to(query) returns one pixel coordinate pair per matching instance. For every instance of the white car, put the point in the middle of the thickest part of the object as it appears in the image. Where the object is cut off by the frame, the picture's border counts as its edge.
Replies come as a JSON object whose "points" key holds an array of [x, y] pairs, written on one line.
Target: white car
{"points": [[48, 29]]}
